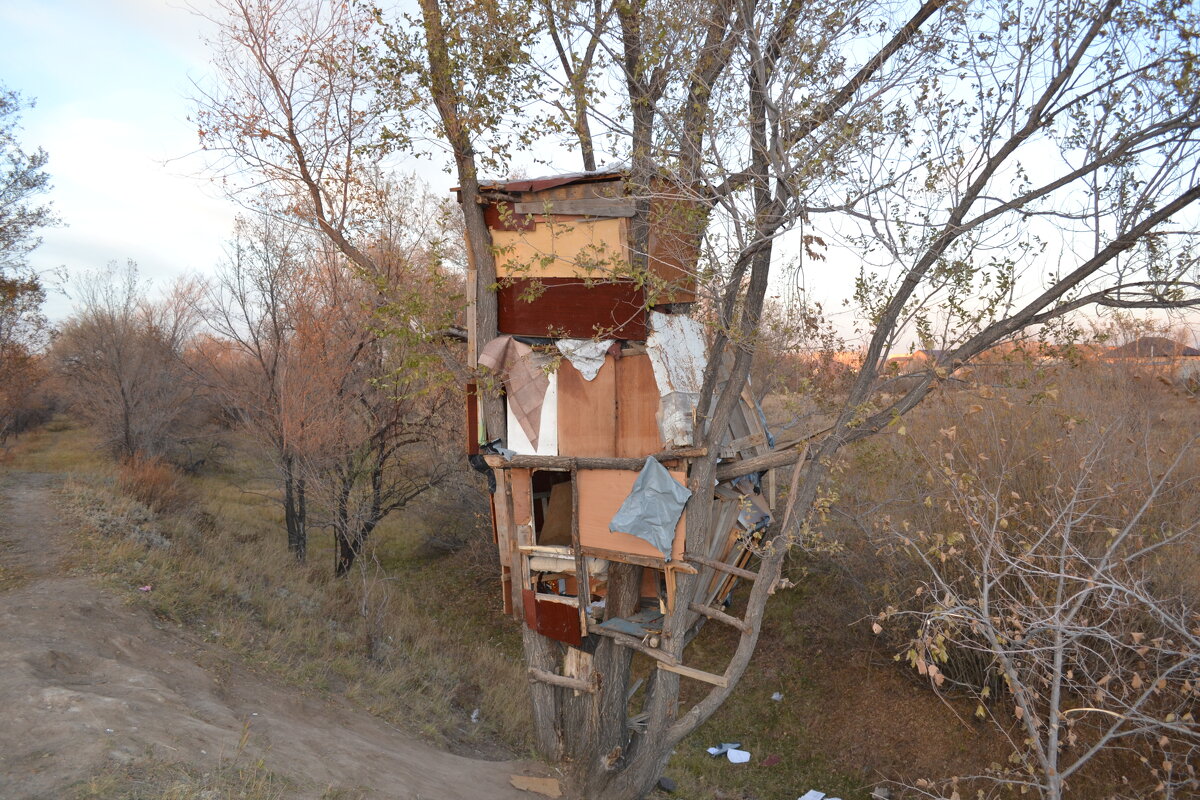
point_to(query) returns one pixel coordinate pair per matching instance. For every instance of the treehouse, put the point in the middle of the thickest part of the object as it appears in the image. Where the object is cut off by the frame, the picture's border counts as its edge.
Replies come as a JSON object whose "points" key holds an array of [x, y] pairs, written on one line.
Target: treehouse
{"points": [[600, 371]]}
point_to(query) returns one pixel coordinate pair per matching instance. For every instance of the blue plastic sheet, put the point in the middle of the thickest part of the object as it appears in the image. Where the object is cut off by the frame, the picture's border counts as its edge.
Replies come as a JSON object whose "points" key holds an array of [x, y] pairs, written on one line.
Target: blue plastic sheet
{"points": [[652, 509]]}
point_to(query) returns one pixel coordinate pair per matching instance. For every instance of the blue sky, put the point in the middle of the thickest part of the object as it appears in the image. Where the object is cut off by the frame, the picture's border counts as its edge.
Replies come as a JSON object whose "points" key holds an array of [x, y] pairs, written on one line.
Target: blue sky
{"points": [[111, 79]]}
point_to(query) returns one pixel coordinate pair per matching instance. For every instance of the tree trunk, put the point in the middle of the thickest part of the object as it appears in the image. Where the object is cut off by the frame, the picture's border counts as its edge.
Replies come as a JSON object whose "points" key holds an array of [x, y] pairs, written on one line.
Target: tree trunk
{"points": [[295, 510], [479, 238]]}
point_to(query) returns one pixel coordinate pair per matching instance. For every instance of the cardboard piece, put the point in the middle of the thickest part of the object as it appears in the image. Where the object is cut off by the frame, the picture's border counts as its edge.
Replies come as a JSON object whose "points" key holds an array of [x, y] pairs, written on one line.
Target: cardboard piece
{"points": [[556, 529], [544, 786]]}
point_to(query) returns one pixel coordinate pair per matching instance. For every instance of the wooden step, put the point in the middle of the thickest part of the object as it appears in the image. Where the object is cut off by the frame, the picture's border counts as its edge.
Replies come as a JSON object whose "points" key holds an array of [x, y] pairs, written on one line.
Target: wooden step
{"points": [[695, 674]]}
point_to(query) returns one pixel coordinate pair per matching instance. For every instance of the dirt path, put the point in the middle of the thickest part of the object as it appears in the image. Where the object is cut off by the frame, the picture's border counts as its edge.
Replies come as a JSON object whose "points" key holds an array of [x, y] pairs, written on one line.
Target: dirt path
{"points": [[88, 684]]}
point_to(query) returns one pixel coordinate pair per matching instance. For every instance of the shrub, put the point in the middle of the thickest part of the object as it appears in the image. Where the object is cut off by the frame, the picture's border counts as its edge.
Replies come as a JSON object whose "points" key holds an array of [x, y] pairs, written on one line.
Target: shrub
{"points": [[155, 483]]}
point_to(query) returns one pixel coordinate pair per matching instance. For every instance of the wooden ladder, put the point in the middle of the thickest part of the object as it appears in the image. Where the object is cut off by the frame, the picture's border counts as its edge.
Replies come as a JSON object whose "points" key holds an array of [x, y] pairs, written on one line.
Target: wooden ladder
{"points": [[670, 663]]}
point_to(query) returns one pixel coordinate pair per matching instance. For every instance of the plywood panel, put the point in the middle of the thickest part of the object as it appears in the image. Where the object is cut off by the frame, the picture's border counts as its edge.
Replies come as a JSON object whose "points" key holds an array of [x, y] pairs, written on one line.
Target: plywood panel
{"points": [[522, 494], [601, 493], [637, 407], [571, 308], [587, 411], [560, 247]]}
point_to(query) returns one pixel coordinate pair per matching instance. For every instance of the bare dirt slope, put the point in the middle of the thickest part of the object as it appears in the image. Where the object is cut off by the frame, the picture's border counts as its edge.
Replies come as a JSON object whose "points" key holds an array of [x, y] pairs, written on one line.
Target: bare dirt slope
{"points": [[88, 684]]}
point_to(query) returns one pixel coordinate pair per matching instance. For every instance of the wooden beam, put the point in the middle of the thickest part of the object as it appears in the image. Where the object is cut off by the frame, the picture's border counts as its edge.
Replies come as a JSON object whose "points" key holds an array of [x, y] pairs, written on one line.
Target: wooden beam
{"points": [[721, 616], [721, 566], [568, 463], [625, 558], [578, 685], [625, 640], [695, 674], [608, 207], [583, 583]]}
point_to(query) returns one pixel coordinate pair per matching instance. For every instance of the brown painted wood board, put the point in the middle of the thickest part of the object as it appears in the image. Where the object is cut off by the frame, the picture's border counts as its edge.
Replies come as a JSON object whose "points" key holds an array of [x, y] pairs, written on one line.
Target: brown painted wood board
{"points": [[472, 419], [504, 514], [503, 217], [551, 618], [587, 411], [572, 308], [601, 493], [522, 495], [583, 595], [637, 432]]}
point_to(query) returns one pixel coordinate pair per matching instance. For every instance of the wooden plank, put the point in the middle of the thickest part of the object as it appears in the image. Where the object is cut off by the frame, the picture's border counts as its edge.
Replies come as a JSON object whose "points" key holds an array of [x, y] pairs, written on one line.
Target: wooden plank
{"points": [[721, 567], [603, 207], [583, 588], [521, 488], [601, 493], [720, 616], [637, 433], [736, 447], [631, 627], [472, 419], [695, 674], [587, 418], [627, 558], [566, 464], [572, 308], [558, 619], [578, 685], [662, 657], [506, 532]]}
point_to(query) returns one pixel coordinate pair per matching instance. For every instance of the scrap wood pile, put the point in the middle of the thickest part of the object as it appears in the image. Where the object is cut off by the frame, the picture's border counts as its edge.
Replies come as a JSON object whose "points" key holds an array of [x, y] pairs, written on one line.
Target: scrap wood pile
{"points": [[601, 371]]}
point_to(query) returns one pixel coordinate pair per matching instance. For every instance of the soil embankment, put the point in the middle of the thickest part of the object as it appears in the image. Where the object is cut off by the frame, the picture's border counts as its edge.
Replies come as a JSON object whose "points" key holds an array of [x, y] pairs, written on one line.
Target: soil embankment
{"points": [[90, 685]]}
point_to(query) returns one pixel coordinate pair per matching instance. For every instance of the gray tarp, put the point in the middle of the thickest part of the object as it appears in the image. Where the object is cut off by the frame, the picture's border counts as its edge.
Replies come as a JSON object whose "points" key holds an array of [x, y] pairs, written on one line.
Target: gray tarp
{"points": [[652, 509]]}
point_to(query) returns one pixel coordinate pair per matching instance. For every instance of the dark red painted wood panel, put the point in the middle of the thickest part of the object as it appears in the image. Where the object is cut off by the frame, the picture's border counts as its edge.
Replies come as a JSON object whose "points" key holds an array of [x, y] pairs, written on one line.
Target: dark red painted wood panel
{"points": [[556, 621], [570, 307]]}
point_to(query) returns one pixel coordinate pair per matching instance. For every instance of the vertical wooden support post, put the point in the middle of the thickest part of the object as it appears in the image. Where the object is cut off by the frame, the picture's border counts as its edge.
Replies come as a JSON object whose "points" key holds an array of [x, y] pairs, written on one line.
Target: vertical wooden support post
{"points": [[582, 579], [504, 517]]}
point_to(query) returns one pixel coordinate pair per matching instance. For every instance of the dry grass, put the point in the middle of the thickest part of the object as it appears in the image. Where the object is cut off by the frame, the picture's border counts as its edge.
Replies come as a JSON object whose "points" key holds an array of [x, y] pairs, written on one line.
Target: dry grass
{"points": [[157, 780]]}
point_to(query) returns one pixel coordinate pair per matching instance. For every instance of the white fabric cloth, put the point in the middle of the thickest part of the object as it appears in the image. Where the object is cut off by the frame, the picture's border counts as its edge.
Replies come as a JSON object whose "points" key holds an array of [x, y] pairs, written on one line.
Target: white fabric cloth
{"points": [[585, 355]]}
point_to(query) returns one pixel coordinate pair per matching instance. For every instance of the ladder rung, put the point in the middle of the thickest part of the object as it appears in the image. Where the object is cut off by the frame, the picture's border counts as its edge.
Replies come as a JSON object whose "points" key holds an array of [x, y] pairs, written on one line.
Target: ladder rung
{"points": [[695, 674], [721, 616], [721, 566], [577, 684], [625, 640]]}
